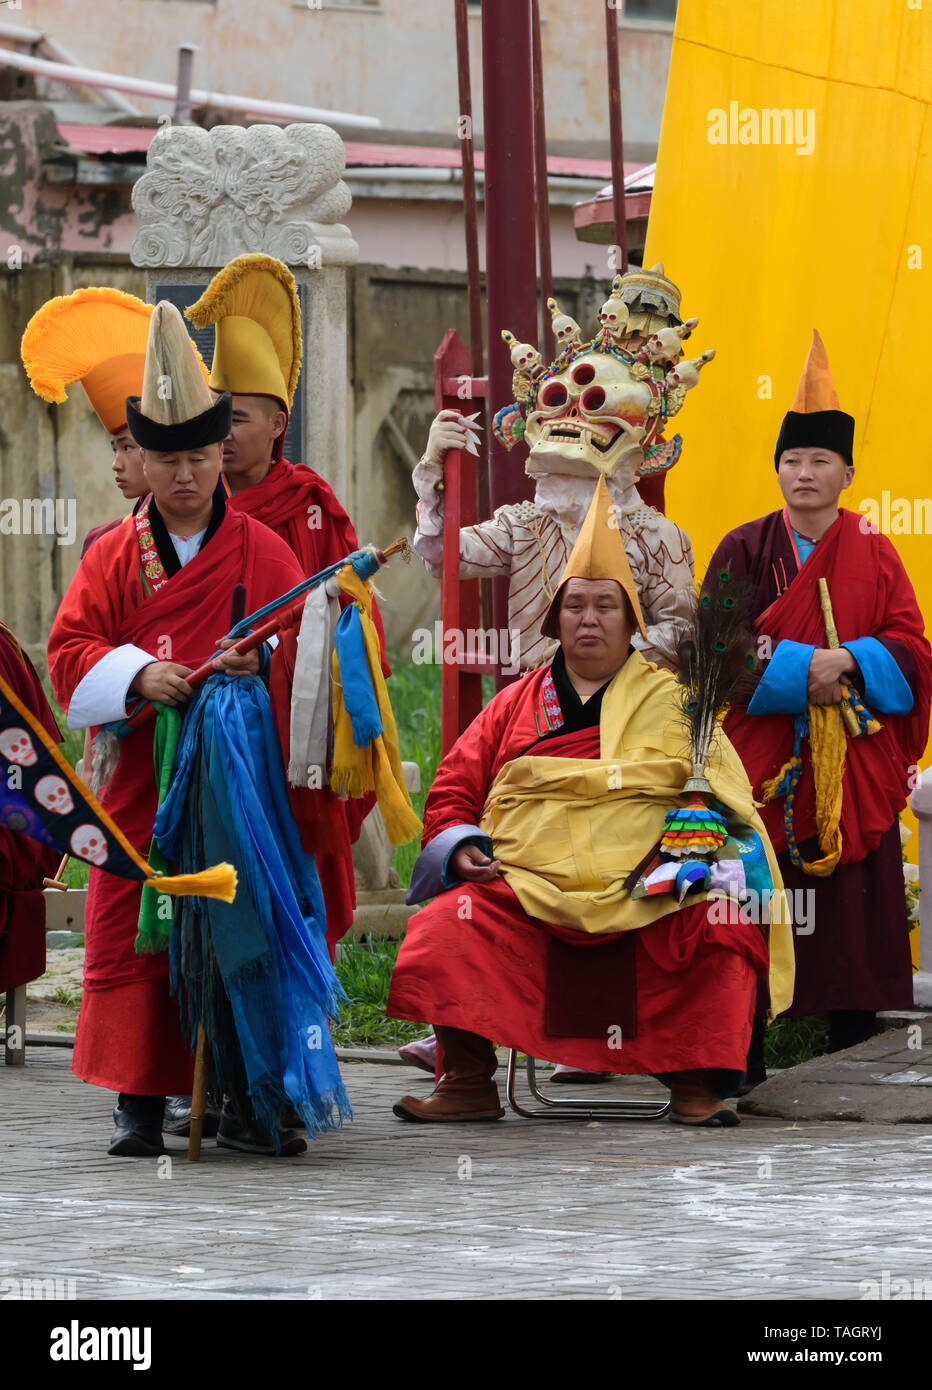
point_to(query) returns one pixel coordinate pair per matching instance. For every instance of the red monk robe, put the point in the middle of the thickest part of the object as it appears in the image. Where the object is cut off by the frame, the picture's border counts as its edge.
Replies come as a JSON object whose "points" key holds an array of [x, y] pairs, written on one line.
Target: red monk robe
{"points": [[856, 957], [487, 972], [129, 1037], [298, 505], [23, 862]]}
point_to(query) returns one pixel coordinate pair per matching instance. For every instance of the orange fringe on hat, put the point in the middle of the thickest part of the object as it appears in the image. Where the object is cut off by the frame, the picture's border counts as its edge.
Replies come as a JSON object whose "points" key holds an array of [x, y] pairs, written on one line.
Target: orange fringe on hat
{"points": [[96, 336]]}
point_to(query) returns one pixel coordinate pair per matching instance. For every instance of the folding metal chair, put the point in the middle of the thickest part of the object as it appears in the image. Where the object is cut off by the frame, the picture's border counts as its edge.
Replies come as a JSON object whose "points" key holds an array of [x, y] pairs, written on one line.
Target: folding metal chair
{"points": [[570, 1109]]}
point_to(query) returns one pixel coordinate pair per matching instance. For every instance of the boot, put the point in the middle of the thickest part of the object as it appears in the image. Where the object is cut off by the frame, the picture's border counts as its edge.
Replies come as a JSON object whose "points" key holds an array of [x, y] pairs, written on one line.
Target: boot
{"points": [[138, 1127], [466, 1090], [178, 1117], [242, 1132], [754, 1070], [848, 1027]]}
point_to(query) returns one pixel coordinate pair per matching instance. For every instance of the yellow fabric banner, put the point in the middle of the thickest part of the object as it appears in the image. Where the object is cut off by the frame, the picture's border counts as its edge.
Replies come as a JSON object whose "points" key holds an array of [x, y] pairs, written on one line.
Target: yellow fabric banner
{"points": [[793, 191]]}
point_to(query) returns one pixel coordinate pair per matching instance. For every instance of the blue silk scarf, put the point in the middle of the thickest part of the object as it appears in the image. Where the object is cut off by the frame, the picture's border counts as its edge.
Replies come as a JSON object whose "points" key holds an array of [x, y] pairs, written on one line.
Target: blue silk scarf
{"points": [[255, 972]]}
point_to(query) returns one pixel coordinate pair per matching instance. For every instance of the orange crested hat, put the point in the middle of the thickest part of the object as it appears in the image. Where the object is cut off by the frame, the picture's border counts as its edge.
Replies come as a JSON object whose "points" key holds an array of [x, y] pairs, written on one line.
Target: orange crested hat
{"points": [[96, 336], [599, 553]]}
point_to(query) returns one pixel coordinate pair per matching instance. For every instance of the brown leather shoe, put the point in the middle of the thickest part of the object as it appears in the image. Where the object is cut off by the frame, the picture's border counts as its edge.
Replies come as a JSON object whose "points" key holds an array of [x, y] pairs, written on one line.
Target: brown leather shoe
{"points": [[692, 1103], [442, 1106], [466, 1090]]}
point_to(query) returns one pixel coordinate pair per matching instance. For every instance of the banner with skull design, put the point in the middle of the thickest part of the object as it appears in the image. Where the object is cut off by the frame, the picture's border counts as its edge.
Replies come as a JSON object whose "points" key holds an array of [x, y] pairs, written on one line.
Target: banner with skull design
{"points": [[42, 796]]}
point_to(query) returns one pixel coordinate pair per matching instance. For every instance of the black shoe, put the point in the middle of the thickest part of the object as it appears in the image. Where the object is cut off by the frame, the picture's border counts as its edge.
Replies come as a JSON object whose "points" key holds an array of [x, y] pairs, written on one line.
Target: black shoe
{"points": [[290, 1119], [138, 1132], [178, 1117], [248, 1138]]}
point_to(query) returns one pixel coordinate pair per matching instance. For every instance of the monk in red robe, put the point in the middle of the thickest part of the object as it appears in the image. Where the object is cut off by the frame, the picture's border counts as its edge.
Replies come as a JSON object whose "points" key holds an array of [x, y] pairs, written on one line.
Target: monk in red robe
{"points": [[535, 827], [24, 863], [852, 936], [253, 304], [151, 599]]}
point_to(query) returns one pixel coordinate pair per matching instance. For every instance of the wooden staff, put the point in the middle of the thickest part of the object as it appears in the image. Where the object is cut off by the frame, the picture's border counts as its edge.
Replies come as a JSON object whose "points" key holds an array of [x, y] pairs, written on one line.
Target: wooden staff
{"points": [[831, 637], [199, 1088], [198, 1096], [146, 711], [56, 881]]}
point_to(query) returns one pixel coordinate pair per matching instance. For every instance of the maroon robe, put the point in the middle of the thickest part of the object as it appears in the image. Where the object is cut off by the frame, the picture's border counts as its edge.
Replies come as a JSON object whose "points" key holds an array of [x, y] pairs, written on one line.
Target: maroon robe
{"points": [[856, 957], [24, 863]]}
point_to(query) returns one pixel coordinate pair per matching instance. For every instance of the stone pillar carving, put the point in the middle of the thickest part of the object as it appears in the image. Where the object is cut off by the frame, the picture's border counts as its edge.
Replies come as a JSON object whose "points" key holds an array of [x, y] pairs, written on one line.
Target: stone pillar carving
{"points": [[208, 196]]}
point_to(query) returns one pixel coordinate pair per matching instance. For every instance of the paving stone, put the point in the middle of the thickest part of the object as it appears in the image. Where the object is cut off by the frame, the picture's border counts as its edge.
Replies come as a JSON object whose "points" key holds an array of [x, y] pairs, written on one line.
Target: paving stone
{"points": [[384, 1210], [881, 1081]]}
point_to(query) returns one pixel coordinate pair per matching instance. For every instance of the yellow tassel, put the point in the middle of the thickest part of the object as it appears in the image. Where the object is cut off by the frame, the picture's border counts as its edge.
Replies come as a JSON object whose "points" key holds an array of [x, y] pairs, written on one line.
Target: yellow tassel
{"points": [[769, 789], [218, 882], [401, 820], [380, 763], [350, 781]]}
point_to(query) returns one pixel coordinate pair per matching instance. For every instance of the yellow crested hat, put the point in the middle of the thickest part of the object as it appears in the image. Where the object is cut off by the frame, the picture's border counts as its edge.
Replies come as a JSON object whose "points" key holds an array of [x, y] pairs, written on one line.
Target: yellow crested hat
{"points": [[599, 553], [96, 336], [254, 307]]}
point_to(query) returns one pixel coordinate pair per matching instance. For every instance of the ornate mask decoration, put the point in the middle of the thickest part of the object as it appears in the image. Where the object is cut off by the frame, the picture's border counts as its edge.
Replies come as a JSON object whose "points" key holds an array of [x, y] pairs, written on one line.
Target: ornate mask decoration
{"points": [[602, 406]]}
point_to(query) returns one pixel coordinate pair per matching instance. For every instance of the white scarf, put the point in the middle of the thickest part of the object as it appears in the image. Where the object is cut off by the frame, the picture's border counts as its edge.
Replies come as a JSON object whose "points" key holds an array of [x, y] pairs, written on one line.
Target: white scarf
{"points": [[311, 691]]}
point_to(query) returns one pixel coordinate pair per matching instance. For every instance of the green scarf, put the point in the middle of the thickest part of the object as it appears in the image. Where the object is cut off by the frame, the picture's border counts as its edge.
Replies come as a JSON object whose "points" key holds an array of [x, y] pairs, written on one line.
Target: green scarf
{"points": [[157, 910]]}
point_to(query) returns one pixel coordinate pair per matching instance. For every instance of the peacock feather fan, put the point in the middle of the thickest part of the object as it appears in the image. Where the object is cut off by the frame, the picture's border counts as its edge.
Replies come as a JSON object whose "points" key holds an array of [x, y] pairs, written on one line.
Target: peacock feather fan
{"points": [[718, 664]]}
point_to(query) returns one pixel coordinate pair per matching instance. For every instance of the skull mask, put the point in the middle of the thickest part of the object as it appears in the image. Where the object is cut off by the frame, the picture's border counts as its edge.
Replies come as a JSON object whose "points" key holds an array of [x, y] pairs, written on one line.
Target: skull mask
{"points": [[589, 418]]}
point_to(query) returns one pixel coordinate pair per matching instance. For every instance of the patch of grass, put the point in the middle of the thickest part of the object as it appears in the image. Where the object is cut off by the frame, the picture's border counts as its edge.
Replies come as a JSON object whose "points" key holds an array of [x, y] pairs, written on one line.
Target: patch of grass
{"points": [[76, 873], [364, 969], [789, 1041], [415, 695], [72, 744], [69, 997]]}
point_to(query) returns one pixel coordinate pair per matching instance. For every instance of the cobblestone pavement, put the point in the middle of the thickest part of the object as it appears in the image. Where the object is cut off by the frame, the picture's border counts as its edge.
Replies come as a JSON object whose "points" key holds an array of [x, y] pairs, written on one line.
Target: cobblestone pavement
{"points": [[887, 1079], [517, 1208]]}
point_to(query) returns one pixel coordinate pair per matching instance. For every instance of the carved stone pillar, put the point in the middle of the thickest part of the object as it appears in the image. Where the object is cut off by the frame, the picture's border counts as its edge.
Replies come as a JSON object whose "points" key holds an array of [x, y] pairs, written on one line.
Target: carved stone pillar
{"points": [[208, 196]]}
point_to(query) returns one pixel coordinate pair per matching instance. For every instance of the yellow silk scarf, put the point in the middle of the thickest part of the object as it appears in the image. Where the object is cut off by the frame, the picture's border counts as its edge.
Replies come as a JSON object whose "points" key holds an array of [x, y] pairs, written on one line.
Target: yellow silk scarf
{"points": [[378, 767], [568, 831]]}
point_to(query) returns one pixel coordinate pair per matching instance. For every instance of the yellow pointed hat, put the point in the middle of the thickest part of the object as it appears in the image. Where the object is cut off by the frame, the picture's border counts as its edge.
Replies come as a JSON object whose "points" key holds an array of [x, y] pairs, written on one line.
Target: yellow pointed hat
{"points": [[96, 336], [254, 307], [599, 553], [816, 389], [815, 419]]}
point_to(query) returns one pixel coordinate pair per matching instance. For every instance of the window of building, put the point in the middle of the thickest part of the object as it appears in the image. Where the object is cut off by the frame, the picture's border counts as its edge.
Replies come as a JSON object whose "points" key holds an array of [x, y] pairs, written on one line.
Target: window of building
{"points": [[662, 10]]}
